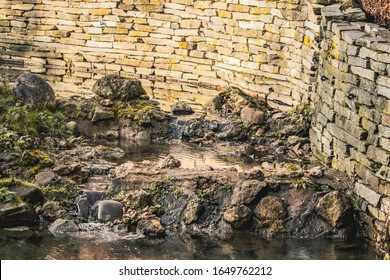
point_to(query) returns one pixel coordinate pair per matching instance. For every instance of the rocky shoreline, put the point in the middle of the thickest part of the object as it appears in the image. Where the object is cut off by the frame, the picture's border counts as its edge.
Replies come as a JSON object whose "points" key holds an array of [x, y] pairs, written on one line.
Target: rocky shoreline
{"points": [[64, 183]]}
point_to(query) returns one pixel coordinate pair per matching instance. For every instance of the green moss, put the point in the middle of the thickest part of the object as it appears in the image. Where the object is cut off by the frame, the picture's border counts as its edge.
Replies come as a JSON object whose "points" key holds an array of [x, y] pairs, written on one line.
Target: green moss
{"points": [[6, 196], [60, 191], [7, 99], [36, 160]]}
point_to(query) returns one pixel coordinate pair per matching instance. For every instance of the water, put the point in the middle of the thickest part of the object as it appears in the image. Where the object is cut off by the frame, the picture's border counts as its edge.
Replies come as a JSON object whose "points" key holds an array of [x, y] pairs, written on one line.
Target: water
{"points": [[239, 246], [191, 156]]}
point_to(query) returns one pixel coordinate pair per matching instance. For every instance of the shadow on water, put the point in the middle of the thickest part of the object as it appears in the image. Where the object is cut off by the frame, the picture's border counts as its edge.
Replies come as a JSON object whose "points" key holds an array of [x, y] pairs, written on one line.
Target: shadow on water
{"points": [[239, 246]]}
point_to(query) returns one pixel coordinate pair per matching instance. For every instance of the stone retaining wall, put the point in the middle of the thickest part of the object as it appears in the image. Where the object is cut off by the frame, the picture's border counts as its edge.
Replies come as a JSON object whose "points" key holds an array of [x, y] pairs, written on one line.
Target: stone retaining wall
{"points": [[351, 124], [181, 49]]}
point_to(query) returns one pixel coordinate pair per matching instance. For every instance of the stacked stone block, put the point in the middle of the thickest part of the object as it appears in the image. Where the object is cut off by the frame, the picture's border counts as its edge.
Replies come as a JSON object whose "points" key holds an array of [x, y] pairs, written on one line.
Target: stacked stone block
{"points": [[180, 49], [351, 124]]}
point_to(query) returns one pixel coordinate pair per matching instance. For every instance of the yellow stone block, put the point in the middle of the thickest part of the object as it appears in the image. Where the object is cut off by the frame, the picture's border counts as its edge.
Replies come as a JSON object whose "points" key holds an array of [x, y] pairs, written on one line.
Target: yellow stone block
{"points": [[182, 45], [308, 41], [100, 12]]}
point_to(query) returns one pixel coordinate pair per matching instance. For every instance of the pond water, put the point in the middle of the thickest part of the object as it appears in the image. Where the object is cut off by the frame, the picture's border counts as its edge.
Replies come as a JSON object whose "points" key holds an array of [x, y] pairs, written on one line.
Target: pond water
{"points": [[242, 246]]}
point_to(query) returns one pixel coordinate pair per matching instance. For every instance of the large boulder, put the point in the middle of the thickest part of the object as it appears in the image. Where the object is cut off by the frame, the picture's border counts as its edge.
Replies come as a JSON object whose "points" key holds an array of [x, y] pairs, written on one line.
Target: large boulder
{"points": [[30, 193], [193, 212], [252, 116], [336, 209], [32, 89], [118, 88], [109, 210], [180, 108]]}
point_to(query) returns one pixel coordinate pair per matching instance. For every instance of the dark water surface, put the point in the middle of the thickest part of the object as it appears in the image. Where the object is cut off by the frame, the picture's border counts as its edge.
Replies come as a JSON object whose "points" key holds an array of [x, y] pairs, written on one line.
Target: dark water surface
{"points": [[239, 246]]}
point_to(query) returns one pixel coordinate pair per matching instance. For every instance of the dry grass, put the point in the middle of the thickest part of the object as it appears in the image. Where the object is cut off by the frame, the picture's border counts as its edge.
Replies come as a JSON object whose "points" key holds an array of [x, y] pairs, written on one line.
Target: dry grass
{"points": [[379, 9]]}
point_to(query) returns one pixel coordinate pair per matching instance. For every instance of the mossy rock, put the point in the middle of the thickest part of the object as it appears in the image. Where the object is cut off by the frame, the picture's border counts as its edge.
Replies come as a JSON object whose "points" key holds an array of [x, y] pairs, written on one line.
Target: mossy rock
{"points": [[36, 160], [25, 191]]}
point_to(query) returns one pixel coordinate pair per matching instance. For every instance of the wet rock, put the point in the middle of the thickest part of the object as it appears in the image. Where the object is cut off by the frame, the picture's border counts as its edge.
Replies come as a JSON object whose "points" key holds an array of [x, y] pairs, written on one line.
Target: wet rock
{"points": [[109, 210], [16, 213], [237, 216], [151, 227], [115, 87], [101, 114], [316, 172], [51, 211], [45, 178], [336, 209], [180, 108], [32, 89], [83, 206], [270, 208], [247, 192], [143, 135], [63, 226], [28, 192], [252, 116], [193, 212], [170, 162], [67, 169], [72, 128]]}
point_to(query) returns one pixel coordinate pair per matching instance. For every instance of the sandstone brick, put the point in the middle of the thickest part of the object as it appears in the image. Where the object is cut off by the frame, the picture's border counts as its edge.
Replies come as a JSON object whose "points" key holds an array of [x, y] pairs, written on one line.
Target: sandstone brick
{"points": [[369, 195]]}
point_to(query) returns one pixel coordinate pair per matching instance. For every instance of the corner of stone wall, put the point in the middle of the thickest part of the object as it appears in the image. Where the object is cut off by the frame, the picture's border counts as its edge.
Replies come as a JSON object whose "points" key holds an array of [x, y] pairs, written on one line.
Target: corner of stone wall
{"points": [[351, 122]]}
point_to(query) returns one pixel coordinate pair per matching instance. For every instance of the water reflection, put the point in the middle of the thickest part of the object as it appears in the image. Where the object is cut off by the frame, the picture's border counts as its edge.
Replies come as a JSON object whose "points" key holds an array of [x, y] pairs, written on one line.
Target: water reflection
{"points": [[238, 246]]}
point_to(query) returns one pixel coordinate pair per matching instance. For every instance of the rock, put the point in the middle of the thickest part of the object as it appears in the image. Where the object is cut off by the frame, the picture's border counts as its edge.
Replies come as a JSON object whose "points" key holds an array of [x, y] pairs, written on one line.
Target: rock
{"points": [[138, 199], [83, 206], [109, 210], [237, 216], [246, 150], [247, 192], [67, 169], [72, 128], [28, 192], [16, 213], [279, 115], [316, 172], [152, 227], [106, 102], [252, 116], [143, 135], [170, 162], [180, 108], [270, 208], [193, 212], [32, 89], [63, 226], [115, 87], [101, 114], [336, 209], [51, 211], [45, 178]]}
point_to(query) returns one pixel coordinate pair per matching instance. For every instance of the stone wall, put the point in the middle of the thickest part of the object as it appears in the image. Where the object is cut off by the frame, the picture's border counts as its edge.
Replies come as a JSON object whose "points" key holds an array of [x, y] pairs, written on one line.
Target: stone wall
{"points": [[351, 125], [180, 49]]}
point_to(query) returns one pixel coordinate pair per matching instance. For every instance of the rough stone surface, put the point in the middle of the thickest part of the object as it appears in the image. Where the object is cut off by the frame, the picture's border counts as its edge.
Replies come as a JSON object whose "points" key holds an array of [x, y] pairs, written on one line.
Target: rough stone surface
{"points": [[45, 178], [270, 208], [83, 206], [368, 194], [246, 192], [63, 226], [28, 192], [101, 114], [152, 227], [336, 209], [118, 88], [32, 89], [252, 116], [237, 216], [170, 162], [180, 108], [109, 210], [193, 212]]}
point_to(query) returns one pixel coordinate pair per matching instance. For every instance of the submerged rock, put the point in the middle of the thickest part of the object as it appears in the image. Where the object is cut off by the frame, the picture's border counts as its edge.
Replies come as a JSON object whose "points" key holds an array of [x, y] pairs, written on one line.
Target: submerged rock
{"points": [[32, 89], [237, 216], [109, 210], [63, 226], [115, 87], [336, 209]]}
